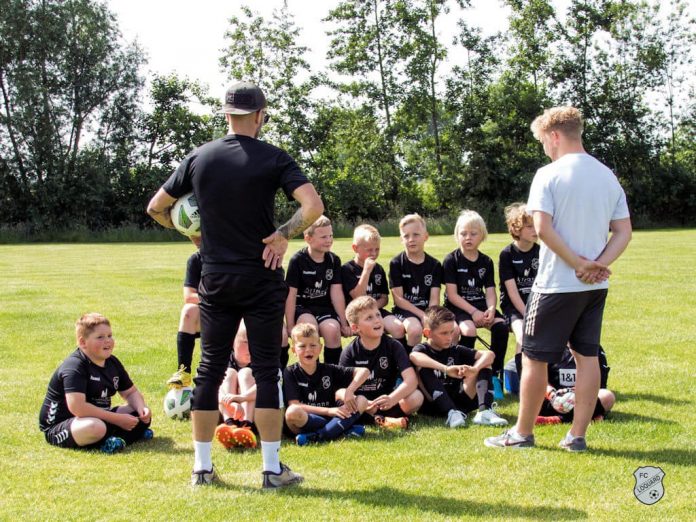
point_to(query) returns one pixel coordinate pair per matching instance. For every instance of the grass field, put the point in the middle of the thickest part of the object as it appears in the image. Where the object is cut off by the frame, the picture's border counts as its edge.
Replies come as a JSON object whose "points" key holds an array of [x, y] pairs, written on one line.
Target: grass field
{"points": [[429, 472]]}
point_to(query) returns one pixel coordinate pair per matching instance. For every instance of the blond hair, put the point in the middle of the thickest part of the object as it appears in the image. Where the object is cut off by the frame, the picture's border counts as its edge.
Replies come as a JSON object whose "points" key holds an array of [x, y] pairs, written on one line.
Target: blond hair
{"points": [[365, 233], [322, 221], [359, 305], [86, 324], [412, 218], [566, 120], [467, 218], [516, 218], [304, 330]]}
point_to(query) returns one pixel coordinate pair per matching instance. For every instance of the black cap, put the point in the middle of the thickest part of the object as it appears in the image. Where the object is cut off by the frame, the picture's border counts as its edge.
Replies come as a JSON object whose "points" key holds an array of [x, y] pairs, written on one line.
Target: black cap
{"points": [[243, 98]]}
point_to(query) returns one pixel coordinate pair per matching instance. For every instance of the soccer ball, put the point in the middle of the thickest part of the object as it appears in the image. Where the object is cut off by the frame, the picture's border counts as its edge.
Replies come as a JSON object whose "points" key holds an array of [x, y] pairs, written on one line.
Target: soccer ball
{"points": [[564, 400], [177, 403], [185, 215]]}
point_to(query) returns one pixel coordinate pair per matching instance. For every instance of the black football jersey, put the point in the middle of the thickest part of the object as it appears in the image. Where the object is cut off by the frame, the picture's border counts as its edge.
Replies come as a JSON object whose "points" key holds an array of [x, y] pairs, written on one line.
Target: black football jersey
{"points": [[318, 389], [454, 355], [416, 281], [562, 374], [313, 280], [520, 266], [471, 277], [194, 267], [377, 285]]}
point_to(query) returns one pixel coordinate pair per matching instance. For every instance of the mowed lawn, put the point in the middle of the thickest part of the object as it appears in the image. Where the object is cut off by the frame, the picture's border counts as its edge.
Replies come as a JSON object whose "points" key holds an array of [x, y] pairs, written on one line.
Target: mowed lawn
{"points": [[429, 472]]}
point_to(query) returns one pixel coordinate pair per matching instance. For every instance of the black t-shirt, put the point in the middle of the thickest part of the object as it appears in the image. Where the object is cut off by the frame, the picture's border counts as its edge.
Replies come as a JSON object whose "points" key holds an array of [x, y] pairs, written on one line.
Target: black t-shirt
{"points": [[562, 374], [235, 180], [454, 355], [194, 267], [77, 374], [377, 284], [416, 281], [520, 266], [318, 389], [471, 277], [386, 363], [313, 280]]}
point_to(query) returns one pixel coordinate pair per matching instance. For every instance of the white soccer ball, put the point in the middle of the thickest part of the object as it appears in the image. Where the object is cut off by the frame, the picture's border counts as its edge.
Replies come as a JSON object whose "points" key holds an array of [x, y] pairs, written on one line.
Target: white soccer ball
{"points": [[564, 400], [177, 403], [185, 215]]}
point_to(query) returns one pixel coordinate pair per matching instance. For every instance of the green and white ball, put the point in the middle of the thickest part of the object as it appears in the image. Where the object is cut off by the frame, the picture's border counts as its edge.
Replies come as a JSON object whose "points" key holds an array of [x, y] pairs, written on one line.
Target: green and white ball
{"points": [[185, 215], [177, 403]]}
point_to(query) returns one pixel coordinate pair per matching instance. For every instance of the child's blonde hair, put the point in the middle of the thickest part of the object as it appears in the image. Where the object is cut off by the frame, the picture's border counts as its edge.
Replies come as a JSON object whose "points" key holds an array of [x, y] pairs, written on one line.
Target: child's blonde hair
{"points": [[412, 218], [467, 218], [516, 218], [322, 221], [566, 120], [365, 233], [86, 324], [304, 330], [359, 305]]}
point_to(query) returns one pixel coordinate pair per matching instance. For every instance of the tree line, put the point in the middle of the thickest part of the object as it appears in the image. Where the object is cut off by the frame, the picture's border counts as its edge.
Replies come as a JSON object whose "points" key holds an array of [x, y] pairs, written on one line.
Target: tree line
{"points": [[397, 120]]}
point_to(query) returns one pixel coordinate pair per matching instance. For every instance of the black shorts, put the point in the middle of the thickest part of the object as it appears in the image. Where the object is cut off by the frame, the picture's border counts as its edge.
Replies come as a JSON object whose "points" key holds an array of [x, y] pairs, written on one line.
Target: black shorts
{"points": [[402, 314], [320, 313], [461, 316], [554, 320], [511, 315], [61, 434], [461, 400]]}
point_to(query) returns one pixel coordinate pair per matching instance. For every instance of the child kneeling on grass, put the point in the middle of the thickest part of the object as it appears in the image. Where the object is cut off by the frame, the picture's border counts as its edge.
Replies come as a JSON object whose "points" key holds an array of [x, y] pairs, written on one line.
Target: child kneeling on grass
{"points": [[455, 379], [390, 401], [77, 412], [321, 399]]}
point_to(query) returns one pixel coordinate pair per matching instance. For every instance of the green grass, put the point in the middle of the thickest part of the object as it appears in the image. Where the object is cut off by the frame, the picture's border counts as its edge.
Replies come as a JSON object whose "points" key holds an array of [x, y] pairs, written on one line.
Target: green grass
{"points": [[428, 473]]}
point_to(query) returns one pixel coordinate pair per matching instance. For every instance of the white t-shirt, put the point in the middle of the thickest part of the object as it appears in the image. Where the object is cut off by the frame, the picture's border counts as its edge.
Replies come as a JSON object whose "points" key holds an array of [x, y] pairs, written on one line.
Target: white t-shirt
{"points": [[582, 195]]}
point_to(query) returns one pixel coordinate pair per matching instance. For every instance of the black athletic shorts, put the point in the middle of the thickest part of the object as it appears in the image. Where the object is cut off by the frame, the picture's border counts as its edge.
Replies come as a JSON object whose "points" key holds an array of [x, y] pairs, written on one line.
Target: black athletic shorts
{"points": [[460, 315], [402, 314], [461, 400], [320, 313], [61, 434], [511, 315], [554, 320]]}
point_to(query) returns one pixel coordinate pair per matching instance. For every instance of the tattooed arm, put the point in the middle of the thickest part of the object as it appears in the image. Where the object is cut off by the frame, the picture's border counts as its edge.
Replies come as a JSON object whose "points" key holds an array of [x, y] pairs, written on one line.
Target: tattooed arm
{"points": [[310, 209]]}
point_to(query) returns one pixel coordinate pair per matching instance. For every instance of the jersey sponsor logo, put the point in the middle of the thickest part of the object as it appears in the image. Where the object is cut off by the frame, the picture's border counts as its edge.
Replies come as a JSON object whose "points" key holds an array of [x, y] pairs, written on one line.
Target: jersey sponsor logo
{"points": [[104, 393], [116, 382], [317, 284], [383, 363], [329, 274], [312, 396], [61, 437], [649, 488], [378, 279], [415, 290], [566, 376], [309, 272], [368, 290], [326, 382], [482, 272], [526, 272], [472, 282], [428, 280], [93, 378]]}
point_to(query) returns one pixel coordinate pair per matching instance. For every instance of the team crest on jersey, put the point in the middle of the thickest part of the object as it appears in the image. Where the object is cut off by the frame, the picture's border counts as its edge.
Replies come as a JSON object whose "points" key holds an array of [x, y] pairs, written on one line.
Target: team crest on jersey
{"points": [[326, 382], [378, 279], [116, 382], [329, 274], [383, 363], [535, 263], [649, 488], [450, 361], [482, 272], [428, 280]]}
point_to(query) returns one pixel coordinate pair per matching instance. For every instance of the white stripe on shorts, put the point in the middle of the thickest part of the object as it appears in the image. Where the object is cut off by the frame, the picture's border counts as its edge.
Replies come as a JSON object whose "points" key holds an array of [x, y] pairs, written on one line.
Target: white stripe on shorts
{"points": [[530, 317]]}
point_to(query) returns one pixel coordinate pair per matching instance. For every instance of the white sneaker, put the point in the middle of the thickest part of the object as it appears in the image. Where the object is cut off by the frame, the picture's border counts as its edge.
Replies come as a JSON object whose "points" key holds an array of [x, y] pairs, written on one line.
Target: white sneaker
{"points": [[456, 419], [489, 418]]}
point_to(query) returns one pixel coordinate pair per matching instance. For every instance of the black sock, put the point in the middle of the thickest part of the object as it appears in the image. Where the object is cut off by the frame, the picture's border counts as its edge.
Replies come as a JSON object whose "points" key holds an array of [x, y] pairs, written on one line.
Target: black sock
{"points": [[483, 388], [518, 366], [332, 355], [499, 339], [469, 342], [185, 343], [284, 356]]}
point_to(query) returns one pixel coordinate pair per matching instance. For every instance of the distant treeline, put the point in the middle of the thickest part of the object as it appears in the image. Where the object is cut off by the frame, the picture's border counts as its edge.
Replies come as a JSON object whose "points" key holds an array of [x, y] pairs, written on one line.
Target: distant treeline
{"points": [[394, 130]]}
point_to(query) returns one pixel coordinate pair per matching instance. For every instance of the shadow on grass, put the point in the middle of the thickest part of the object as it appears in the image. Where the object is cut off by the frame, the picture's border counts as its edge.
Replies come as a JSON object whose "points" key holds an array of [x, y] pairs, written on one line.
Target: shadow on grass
{"points": [[158, 445], [625, 417], [659, 399], [388, 497], [677, 457]]}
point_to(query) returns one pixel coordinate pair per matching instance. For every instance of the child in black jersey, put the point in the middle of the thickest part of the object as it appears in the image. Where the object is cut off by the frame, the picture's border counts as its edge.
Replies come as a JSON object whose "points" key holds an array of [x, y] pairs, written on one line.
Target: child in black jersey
{"points": [[321, 400], [517, 269], [414, 278], [315, 292], [455, 379], [363, 275], [390, 402], [77, 412], [470, 290]]}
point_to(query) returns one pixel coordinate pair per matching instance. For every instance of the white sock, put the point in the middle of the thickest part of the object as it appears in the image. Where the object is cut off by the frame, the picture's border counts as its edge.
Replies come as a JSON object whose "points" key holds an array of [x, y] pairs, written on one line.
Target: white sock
{"points": [[202, 459], [271, 456]]}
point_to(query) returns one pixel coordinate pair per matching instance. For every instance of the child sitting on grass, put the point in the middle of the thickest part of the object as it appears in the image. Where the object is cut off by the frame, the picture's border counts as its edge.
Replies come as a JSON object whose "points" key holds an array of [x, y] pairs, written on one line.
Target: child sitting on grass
{"points": [[321, 400], [455, 379], [390, 403], [77, 412]]}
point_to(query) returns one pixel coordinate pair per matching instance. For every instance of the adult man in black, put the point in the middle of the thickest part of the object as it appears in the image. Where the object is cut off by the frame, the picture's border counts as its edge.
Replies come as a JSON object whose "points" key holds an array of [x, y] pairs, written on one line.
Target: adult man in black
{"points": [[235, 180]]}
